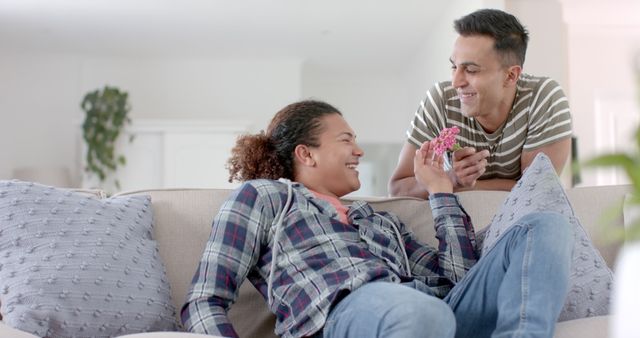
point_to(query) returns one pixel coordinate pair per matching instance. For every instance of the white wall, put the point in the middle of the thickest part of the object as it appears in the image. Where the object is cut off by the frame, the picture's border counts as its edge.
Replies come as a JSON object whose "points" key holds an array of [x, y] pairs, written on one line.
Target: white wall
{"points": [[431, 62], [40, 97], [392, 95], [547, 49], [40, 93], [603, 38], [376, 106], [199, 88], [380, 104], [371, 102]]}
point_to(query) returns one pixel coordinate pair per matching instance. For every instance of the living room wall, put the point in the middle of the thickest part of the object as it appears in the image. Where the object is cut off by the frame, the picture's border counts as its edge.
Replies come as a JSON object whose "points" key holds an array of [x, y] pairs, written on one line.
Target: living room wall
{"points": [[39, 98], [380, 105], [603, 46], [41, 94], [41, 91]]}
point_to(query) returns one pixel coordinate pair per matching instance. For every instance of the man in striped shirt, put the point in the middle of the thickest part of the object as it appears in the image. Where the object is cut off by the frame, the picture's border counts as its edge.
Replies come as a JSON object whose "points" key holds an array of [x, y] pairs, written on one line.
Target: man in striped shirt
{"points": [[505, 117]]}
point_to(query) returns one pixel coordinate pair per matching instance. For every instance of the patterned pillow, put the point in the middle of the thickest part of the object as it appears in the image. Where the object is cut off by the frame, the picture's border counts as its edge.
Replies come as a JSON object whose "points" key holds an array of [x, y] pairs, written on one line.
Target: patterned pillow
{"points": [[540, 190], [75, 265]]}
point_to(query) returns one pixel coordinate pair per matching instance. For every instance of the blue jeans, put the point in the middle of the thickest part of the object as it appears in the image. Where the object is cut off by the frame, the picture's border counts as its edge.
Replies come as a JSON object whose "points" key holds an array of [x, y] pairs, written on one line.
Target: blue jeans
{"points": [[383, 309], [516, 289]]}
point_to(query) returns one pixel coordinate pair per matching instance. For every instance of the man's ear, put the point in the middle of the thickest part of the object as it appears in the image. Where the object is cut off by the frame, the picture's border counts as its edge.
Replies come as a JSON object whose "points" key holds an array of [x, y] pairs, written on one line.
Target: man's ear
{"points": [[513, 74], [303, 155]]}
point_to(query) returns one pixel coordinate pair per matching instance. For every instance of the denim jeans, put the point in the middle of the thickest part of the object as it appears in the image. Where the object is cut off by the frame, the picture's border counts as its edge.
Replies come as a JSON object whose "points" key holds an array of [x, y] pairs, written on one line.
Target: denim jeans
{"points": [[516, 289], [383, 309]]}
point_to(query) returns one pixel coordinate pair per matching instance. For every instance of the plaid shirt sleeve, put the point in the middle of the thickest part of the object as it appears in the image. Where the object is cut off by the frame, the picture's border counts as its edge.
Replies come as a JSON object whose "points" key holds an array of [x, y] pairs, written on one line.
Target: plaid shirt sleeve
{"points": [[456, 252], [231, 251]]}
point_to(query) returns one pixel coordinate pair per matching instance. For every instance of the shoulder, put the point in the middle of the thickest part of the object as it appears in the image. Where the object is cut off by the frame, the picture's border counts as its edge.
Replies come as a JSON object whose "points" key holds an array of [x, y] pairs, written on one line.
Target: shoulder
{"points": [[261, 191], [441, 96], [261, 197], [537, 83], [264, 185], [443, 90]]}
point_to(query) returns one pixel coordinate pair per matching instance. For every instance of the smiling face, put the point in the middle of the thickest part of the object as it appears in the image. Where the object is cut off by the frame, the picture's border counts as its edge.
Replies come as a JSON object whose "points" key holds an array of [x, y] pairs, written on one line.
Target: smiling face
{"points": [[485, 86], [331, 167]]}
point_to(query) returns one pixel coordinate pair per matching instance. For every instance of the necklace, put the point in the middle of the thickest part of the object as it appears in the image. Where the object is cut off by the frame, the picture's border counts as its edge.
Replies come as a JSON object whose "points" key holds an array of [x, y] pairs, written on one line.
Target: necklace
{"points": [[492, 141], [493, 146]]}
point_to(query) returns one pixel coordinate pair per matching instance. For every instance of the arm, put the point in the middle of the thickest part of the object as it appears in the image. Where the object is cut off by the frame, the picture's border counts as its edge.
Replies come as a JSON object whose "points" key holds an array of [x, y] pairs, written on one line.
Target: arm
{"points": [[427, 122], [403, 181], [456, 250], [468, 165], [558, 153], [550, 127], [231, 251], [491, 184]]}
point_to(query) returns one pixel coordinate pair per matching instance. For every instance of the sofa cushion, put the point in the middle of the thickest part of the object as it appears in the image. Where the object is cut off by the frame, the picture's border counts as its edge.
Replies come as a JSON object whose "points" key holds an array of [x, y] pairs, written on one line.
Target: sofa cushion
{"points": [[73, 264], [539, 189], [592, 327], [182, 228]]}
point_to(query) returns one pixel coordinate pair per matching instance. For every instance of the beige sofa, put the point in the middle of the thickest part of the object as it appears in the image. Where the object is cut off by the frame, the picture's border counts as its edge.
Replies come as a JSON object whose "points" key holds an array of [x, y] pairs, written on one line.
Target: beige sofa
{"points": [[183, 221]]}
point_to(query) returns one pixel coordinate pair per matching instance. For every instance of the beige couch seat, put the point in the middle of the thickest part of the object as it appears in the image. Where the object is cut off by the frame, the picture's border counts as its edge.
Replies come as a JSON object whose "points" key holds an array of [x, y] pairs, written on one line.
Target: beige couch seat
{"points": [[183, 221]]}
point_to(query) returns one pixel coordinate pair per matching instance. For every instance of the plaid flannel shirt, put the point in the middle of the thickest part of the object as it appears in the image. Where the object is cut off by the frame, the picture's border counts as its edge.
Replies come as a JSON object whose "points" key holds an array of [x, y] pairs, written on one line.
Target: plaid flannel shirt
{"points": [[319, 258]]}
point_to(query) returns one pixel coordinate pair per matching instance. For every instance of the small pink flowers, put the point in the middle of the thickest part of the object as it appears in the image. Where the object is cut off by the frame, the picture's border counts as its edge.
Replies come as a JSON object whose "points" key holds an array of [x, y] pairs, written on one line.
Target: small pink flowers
{"points": [[446, 140]]}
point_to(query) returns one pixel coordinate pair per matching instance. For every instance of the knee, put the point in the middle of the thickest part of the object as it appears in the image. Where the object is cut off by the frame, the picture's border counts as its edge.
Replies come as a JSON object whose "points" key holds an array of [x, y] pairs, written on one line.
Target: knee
{"points": [[427, 308], [436, 313], [426, 316], [552, 233], [552, 226]]}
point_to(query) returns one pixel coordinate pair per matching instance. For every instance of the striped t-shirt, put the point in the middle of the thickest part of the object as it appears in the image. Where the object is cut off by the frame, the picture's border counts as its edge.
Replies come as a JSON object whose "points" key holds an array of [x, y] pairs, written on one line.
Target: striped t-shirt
{"points": [[540, 115]]}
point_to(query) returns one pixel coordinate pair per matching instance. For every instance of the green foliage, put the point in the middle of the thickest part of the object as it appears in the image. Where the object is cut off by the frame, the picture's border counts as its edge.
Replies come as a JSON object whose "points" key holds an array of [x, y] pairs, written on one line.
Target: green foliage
{"points": [[630, 163], [105, 117]]}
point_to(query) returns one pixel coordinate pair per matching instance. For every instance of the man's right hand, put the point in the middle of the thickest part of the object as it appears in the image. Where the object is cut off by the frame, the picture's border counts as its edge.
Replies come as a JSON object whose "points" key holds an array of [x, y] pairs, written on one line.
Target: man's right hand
{"points": [[468, 166]]}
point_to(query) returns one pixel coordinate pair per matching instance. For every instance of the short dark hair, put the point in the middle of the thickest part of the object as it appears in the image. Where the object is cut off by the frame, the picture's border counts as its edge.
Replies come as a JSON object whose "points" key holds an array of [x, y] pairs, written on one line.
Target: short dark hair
{"points": [[270, 154], [510, 36]]}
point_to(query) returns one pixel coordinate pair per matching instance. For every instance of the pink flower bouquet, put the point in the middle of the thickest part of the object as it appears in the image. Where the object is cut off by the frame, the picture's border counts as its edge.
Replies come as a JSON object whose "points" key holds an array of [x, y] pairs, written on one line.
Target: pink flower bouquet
{"points": [[447, 140]]}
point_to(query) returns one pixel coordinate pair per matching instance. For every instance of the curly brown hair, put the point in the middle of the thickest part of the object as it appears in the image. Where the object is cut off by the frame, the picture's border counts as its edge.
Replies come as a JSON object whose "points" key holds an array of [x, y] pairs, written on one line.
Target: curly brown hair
{"points": [[270, 154]]}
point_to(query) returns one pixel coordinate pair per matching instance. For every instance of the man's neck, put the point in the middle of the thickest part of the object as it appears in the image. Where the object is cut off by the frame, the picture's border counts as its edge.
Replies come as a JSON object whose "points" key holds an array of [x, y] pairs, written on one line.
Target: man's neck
{"points": [[491, 123]]}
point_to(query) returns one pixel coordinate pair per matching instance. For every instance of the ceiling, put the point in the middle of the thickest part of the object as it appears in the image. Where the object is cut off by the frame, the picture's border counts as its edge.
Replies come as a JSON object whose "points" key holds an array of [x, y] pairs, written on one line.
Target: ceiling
{"points": [[326, 33]]}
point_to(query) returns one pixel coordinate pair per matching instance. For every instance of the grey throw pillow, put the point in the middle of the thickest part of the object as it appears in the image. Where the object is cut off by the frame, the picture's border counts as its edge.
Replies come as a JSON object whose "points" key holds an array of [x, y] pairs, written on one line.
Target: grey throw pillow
{"points": [[75, 265], [540, 190]]}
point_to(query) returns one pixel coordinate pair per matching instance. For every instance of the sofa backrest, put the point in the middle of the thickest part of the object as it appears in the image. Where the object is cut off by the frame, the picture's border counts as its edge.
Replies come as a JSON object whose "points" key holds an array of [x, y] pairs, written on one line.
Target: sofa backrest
{"points": [[182, 224], [183, 218], [589, 203]]}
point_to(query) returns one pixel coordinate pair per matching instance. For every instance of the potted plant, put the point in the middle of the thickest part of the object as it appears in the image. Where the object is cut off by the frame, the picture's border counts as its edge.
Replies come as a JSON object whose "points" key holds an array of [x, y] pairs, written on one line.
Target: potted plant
{"points": [[105, 118]]}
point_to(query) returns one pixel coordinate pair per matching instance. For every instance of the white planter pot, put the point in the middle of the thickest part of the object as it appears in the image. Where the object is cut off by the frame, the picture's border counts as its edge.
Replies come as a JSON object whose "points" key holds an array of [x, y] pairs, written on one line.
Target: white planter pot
{"points": [[626, 293]]}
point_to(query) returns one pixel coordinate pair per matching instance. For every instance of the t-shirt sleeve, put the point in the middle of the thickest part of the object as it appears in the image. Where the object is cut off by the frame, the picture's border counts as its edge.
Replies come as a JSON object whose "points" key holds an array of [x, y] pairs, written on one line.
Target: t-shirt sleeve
{"points": [[429, 118], [550, 117]]}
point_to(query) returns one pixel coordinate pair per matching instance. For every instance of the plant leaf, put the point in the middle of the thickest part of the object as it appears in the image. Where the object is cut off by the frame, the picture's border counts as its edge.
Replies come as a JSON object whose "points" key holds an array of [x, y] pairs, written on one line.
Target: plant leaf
{"points": [[611, 160], [106, 112]]}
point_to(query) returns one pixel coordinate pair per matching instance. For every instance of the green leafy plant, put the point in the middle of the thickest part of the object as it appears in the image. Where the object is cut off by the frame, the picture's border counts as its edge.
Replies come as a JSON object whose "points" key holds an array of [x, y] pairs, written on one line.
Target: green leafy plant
{"points": [[630, 163], [105, 117]]}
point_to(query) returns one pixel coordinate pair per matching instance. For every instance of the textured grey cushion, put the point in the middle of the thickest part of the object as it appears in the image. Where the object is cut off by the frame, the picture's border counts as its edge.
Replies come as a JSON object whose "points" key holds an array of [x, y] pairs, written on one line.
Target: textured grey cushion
{"points": [[540, 190], [75, 265]]}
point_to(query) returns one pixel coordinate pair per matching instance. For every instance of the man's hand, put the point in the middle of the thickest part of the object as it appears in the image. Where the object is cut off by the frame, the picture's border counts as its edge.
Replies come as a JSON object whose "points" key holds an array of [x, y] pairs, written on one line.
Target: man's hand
{"points": [[428, 169], [468, 166]]}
